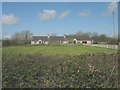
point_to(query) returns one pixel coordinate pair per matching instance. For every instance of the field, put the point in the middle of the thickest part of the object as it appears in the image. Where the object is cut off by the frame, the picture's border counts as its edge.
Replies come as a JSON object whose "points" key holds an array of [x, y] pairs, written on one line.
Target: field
{"points": [[56, 50], [59, 66]]}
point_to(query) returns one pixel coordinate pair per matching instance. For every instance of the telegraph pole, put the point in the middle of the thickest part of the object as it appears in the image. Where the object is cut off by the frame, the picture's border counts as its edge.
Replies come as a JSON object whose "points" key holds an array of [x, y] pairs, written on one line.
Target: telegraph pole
{"points": [[113, 25]]}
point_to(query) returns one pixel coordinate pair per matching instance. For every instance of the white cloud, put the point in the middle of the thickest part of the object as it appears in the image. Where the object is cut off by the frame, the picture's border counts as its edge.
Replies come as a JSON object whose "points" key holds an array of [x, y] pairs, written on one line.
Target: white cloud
{"points": [[47, 15], [110, 8], [84, 13], [64, 14], [9, 19]]}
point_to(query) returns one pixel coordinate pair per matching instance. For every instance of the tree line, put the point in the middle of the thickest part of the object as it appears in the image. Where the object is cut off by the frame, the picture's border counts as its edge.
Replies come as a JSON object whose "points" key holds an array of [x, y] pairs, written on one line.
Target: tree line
{"points": [[24, 37], [99, 38], [18, 38]]}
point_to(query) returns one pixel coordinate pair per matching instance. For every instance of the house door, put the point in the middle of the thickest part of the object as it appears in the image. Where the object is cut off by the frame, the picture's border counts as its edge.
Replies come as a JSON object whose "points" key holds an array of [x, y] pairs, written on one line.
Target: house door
{"points": [[74, 42], [40, 41]]}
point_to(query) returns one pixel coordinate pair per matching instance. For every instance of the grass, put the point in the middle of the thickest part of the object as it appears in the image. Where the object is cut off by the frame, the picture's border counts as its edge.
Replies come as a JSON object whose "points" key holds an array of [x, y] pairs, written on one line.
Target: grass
{"points": [[56, 50], [59, 67]]}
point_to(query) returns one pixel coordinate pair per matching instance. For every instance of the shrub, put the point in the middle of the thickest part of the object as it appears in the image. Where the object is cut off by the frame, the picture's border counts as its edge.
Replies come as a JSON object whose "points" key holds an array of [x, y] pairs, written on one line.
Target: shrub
{"points": [[40, 71]]}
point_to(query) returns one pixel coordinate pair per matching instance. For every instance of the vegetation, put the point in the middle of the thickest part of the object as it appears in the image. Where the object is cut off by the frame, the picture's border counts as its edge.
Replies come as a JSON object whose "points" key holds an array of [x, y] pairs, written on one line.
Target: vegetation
{"points": [[24, 37], [8, 42], [59, 66], [19, 38], [99, 38], [56, 50]]}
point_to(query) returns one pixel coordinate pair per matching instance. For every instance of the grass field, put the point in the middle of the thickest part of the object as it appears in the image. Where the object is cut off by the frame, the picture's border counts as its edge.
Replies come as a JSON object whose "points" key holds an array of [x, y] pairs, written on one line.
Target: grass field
{"points": [[56, 50], [59, 66]]}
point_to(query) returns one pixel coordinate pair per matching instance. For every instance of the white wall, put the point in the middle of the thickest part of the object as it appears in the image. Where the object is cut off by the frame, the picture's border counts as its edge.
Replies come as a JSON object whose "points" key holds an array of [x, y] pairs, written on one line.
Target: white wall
{"points": [[79, 42], [89, 42], [37, 42], [46, 42], [32, 42], [65, 42]]}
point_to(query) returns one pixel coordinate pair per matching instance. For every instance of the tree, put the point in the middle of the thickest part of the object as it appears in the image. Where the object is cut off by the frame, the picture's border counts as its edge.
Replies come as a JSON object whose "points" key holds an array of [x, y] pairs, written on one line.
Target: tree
{"points": [[24, 35], [16, 36], [6, 42], [95, 37], [102, 38], [89, 34], [79, 33], [113, 41], [94, 34], [83, 34], [21, 38]]}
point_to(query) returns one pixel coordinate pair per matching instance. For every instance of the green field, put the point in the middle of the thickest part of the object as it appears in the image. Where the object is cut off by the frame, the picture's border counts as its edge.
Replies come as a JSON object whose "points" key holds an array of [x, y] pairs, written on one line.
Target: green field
{"points": [[56, 50], [59, 67]]}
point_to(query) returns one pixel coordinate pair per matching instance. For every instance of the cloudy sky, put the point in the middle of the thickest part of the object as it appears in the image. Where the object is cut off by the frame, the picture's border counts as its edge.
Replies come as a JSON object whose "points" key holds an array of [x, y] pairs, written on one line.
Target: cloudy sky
{"points": [[58, 18]]}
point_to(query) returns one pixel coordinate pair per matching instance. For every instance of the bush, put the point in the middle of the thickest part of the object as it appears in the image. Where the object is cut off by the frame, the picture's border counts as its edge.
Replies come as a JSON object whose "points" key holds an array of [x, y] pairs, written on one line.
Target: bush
{"points": [[113, 41], [14, 42], [39, 71], [6, 42]]}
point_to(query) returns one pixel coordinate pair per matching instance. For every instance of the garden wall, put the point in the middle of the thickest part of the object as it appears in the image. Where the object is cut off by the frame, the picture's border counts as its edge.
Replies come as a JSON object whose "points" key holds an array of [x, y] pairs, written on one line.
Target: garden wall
{"points": [[105, 46]]}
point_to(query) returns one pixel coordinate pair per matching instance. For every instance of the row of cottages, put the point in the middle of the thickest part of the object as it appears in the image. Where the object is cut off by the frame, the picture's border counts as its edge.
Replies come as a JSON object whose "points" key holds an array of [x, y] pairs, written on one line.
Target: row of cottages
{"points": [[61, 39]]}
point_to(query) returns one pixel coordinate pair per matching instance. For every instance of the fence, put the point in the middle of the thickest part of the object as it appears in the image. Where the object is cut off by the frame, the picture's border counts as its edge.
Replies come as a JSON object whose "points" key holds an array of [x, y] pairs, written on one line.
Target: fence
{"points": [[104, 45]]}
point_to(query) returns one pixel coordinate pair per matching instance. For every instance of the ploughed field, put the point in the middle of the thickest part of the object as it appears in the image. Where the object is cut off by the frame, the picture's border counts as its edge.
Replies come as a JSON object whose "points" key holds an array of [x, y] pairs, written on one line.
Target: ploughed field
{"points": [[59, 66]]}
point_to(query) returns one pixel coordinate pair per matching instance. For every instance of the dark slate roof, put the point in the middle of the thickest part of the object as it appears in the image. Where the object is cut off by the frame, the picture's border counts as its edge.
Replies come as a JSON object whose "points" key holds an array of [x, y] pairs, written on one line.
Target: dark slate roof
{"points": [[43, 38], [78, 38], [59, 38]]}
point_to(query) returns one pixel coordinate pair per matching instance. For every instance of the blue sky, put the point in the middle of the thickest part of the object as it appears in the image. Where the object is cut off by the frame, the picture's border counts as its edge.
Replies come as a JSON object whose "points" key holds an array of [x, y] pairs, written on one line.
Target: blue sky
{"points": [[58, 18]]}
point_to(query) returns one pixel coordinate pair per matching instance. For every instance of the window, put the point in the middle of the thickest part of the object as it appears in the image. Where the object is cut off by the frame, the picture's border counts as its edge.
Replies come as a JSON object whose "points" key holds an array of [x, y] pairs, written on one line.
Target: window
{"points": [[84, 42]]}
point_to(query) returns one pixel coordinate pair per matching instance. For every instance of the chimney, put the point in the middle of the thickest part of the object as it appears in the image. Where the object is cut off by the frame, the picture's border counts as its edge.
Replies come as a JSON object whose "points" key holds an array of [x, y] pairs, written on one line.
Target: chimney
{"points": [[48, 36], [64, 36]]}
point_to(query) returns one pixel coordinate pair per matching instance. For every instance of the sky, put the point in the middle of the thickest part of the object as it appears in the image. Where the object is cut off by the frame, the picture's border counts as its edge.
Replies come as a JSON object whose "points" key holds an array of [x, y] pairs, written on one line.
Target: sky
{"points": [[43, 18], [59, 0]]}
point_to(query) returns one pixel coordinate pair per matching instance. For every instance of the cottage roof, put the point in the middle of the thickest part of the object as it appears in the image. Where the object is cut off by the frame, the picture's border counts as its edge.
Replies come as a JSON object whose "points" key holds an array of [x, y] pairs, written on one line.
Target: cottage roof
{"points": [[57, 38], [43, 38], [78, 37], [60, 38]]}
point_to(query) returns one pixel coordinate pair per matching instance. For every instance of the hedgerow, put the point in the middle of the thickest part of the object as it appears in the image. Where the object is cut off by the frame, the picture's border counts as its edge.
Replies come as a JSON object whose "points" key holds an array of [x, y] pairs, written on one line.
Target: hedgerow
{"points": [[98, 70]]}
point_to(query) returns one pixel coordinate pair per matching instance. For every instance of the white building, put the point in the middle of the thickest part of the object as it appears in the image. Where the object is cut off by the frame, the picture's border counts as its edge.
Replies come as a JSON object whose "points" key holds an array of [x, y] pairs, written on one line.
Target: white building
{"points": [[61, 39]]}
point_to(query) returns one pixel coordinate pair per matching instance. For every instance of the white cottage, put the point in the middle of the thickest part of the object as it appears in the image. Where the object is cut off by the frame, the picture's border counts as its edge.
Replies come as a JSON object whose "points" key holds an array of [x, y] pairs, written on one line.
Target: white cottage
{"points": [[61, 39]]}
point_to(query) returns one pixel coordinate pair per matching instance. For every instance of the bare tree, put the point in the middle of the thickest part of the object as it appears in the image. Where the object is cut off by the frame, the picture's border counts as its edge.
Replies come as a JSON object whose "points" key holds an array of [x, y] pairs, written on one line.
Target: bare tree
{"points": [[24, 35]]}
